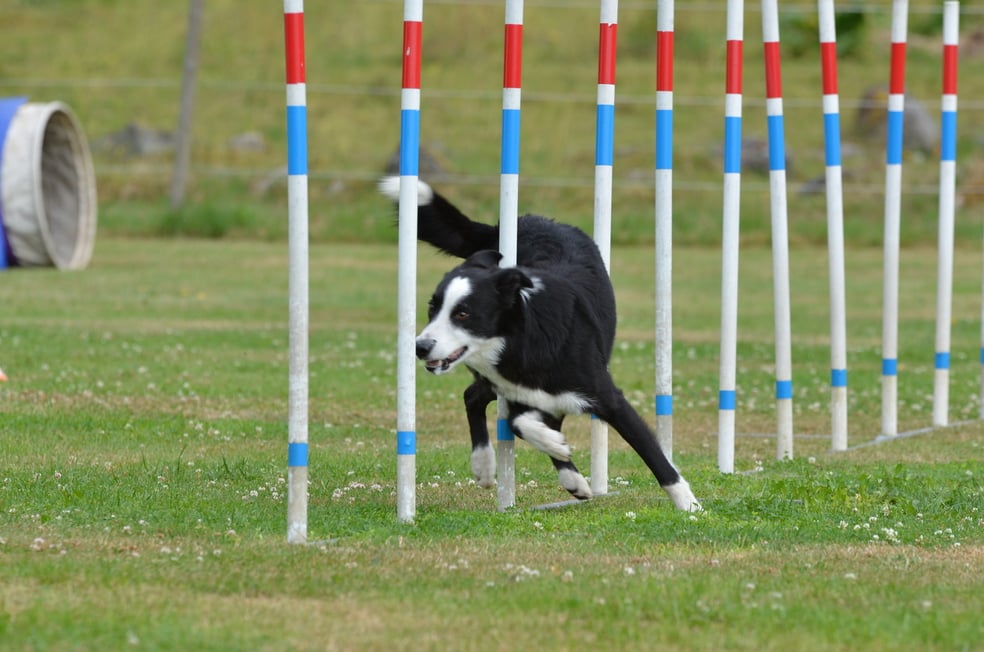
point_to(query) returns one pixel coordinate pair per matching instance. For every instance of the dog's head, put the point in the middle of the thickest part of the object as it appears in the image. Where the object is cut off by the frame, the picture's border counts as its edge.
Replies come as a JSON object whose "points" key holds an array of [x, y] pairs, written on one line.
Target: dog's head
{"points": [[472, 310]]}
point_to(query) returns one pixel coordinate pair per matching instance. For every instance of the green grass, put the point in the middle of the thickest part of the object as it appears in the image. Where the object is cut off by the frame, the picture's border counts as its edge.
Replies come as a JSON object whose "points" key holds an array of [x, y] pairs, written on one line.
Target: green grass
{"points": [[143, 480]]}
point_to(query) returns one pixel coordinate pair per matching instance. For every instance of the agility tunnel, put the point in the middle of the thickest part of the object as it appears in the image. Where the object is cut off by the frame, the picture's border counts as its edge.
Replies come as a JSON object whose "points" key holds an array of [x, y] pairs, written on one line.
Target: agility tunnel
{"points": [[47, 187]]}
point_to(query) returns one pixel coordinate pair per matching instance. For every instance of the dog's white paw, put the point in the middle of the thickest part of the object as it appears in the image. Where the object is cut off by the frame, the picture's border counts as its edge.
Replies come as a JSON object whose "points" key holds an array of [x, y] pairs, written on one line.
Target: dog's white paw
{"points": [[575, 483], [483, 466], [683, 498]]}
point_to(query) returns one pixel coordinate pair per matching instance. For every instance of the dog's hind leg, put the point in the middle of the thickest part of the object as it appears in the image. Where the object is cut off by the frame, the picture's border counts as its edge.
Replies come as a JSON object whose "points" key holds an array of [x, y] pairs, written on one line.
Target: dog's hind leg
{"points": [[478, 395], [621, 416], [572, 480], [542, 431]]}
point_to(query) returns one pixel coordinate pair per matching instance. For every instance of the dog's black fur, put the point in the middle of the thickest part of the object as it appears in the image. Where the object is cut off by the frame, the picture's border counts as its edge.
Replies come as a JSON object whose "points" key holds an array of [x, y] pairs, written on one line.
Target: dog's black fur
{"points": [[539, 334]]}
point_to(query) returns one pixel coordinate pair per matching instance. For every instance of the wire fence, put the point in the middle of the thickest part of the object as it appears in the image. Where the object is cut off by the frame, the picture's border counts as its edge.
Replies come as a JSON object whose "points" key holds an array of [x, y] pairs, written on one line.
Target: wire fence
{"points": [[971, 108]]}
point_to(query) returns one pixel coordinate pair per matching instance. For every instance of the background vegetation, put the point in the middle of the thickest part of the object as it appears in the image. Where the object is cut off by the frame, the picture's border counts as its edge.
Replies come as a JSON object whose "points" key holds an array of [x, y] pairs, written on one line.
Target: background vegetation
{"points": [[118, 63]]}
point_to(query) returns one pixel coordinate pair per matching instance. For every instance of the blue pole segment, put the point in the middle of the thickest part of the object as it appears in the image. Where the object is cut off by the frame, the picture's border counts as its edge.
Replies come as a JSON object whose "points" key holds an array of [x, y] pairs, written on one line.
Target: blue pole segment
{"points": [[502, 430], [732, 145], [297, 454], [832, 147], [893, 150], [664, 405], [604, 134], [406, 442], [664, 139], [510, 141], [777, 145], [297, 155], [409, 142]]}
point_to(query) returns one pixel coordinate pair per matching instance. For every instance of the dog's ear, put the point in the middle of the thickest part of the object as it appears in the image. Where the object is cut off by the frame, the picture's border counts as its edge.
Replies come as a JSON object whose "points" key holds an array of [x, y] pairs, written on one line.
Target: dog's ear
{"points": [[509, 283], [486, 259]]}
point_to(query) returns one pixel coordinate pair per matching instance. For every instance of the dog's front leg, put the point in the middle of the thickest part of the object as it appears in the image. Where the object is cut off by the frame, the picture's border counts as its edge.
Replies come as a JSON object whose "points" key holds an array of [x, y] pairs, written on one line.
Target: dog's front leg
{"points": [[478, 395]]}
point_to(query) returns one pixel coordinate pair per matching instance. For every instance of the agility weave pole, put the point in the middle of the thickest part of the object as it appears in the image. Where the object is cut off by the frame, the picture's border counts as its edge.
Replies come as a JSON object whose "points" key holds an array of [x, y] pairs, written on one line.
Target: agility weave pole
{"points": [[509, 177], [835, 226], [893, 191], [406, 363], [948, 176], [780, 230], [664, 226], [297, 202], [604, 159], [893, 200], [508, 224], [727, 395], [893, 205], [512, 82]]}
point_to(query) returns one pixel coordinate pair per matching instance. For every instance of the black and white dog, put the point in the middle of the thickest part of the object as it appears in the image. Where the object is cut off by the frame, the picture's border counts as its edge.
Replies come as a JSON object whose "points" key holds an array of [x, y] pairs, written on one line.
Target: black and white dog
{"points": [[539, 334]]}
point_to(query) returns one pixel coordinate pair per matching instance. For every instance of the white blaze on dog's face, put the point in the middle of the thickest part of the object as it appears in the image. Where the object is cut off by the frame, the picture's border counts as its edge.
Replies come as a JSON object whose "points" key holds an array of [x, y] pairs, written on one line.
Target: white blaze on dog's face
{"points": [[447, 338], [468, 311]]}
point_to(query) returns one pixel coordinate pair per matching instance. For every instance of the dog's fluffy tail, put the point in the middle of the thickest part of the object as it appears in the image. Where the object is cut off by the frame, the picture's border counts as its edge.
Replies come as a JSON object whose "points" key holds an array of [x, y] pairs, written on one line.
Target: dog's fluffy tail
{"points": [[441, 224]]}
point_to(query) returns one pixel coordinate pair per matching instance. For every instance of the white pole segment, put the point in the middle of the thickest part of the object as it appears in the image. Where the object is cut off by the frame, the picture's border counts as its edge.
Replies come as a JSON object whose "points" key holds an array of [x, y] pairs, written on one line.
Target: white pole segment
{"points": [[297, 421], [406, 420]]}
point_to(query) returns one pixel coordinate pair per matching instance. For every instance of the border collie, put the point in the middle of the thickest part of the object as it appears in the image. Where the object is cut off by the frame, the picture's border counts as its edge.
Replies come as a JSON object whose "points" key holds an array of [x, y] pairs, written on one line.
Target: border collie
{"points": [[539, 335]]}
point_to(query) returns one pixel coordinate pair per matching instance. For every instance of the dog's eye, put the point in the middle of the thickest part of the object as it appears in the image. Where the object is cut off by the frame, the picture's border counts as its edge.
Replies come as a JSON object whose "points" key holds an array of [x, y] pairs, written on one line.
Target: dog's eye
{"points": [[460, 316]]}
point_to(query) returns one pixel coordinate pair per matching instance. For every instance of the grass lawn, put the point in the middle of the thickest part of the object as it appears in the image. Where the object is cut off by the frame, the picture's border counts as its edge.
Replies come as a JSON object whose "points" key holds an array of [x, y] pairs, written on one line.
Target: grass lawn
{"points": [[143, 454]]}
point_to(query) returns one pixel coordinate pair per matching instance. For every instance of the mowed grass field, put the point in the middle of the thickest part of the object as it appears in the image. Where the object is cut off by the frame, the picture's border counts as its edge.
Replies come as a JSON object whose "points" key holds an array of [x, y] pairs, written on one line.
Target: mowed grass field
{"points": [[143, 471]]}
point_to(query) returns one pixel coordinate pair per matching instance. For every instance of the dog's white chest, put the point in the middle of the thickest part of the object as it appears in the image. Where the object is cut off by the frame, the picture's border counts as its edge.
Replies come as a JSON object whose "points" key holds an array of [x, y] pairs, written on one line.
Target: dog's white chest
{"points": [[553, 404]]}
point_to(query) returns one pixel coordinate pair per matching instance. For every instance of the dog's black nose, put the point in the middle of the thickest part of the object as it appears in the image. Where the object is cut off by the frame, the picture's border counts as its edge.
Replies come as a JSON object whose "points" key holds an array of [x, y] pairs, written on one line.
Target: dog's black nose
{"points": [[424, 347]]}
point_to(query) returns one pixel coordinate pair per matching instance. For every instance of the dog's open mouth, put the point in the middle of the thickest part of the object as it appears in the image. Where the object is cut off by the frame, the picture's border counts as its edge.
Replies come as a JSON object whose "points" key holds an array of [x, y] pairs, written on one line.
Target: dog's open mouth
{"points": [[440, 366]]}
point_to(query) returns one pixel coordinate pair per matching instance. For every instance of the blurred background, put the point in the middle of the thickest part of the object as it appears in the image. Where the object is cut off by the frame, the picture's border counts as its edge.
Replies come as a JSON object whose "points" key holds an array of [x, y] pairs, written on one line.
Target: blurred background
{"points": [[118, 64]]}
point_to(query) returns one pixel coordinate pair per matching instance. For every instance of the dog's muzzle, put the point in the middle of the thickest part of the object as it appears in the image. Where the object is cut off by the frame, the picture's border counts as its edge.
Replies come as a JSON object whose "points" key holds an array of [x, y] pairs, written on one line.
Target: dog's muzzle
{"points": [[425, 345]]}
